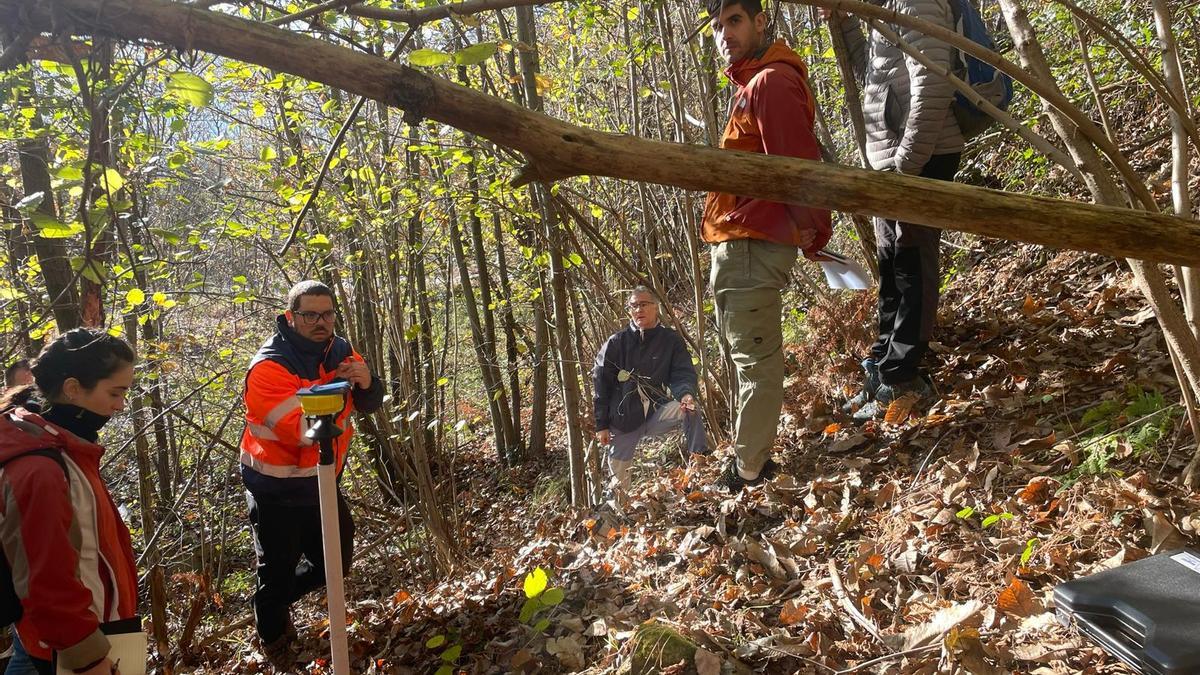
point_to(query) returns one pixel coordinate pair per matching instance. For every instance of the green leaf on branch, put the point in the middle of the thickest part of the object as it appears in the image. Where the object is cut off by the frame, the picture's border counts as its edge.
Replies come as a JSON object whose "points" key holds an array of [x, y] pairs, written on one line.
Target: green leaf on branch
{"points": [[135, 296], [542, 625], [111, 180], [52, 228], [428, 58], [535, 582], [552, 597], [531, 607], [475, 54], [320, 241], [190, 89], [435, 641], [451, 655], [1028, 552]]}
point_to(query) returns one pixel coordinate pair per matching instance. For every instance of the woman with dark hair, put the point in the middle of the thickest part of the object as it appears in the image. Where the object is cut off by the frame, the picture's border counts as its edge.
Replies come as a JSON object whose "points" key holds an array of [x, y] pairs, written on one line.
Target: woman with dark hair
{"points": [[70, 555]]}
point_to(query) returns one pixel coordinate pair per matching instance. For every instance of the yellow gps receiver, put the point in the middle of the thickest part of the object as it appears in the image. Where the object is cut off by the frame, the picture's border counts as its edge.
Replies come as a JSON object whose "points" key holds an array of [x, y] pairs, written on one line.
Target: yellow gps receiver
{"points": [[324, 399]]}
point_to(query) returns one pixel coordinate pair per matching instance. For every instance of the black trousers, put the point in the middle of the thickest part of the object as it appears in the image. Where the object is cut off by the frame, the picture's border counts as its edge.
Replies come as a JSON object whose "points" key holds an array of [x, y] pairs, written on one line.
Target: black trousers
{"points": [[291, 560], [908, 286]]}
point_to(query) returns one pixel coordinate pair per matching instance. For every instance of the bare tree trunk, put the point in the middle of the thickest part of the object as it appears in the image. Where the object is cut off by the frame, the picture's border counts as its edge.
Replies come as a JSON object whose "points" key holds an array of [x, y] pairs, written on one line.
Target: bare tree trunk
{"points": [[510, 331], [493, 384], [1181, 200], [149, 504], [568, 372], [541, 377], [52, 254], [100, 155]]}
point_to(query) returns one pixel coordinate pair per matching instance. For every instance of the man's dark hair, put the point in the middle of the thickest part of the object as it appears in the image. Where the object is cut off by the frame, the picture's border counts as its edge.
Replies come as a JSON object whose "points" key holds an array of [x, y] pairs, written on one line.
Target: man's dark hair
{"points": [[10, 373], [307, 287], [753, 7]]}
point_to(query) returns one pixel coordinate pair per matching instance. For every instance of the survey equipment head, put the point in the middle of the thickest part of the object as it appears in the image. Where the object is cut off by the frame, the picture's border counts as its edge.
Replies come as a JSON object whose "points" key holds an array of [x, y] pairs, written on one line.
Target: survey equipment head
{"points": [[324, 399]]}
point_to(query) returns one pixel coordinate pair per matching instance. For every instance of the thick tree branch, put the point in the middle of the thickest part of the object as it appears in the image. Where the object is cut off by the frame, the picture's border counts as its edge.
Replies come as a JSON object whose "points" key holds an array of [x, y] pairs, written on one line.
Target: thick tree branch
{"points": [[416, 17], [312, 11], [556, 146]]}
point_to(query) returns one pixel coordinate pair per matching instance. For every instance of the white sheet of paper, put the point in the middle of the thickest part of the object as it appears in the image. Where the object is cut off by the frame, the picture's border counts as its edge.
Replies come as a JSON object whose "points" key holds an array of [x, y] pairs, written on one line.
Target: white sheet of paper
{"points": [[128, 650], [842, 272]]}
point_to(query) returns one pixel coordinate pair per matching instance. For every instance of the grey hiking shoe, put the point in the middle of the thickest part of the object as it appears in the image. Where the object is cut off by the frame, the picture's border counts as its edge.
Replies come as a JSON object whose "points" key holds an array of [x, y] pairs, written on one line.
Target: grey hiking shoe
{"points": [[886, 393], [871, 384]]}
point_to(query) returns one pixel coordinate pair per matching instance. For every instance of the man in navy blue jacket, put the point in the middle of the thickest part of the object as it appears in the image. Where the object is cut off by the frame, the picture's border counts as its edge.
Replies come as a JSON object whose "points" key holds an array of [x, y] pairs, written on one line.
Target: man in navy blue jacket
{"points": [[645, 386]]}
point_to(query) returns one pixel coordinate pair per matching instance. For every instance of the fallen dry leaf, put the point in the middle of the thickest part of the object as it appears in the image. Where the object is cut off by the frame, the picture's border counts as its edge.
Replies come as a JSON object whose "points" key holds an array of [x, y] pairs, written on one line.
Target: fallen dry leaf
{"points": [[900, 409], [1037, 491], [941, 623], [1018, 600], [707, 663], [793, 612], [1164, 536]]}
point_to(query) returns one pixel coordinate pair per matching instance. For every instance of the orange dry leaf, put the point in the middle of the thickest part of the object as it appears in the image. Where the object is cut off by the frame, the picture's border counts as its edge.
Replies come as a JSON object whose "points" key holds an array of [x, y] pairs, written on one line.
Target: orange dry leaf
{"points": [[1031, 306], [400, 597], [832, 429], [792, 613], [1036, 492], [875, 560], [898, 410], [1018, 600], [680, 478], [695, 496]]}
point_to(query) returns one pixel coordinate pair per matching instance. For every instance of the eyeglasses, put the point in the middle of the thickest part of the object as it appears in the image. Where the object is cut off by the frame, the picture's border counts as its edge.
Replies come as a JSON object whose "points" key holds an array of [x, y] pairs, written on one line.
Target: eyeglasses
{"points": [[635, 306], [311, 318]]}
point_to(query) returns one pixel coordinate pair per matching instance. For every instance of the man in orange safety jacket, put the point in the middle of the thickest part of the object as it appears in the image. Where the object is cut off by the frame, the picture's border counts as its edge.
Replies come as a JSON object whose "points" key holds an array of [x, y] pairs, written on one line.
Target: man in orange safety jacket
{"points": [[279, 465]]}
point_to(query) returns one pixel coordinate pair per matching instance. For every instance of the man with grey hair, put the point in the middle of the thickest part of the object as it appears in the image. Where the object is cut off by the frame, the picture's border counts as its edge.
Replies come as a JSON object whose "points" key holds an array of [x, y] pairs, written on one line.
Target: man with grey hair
{"points": [[645, 385]]}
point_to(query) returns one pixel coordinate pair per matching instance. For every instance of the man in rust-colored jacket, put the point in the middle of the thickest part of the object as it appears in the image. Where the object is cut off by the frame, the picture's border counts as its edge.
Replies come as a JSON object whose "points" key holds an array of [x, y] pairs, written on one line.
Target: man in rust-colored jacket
{"points": [[756, 242]]}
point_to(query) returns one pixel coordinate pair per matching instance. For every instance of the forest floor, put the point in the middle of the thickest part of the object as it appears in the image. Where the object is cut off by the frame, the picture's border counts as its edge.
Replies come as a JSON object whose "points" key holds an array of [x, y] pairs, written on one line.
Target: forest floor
{"points": [[932, 544]]}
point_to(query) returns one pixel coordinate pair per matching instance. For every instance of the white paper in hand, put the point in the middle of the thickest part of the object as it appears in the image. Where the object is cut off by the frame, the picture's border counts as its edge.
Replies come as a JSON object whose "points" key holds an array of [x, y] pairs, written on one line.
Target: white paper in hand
{"points": [[843, 273], [127, 651]]}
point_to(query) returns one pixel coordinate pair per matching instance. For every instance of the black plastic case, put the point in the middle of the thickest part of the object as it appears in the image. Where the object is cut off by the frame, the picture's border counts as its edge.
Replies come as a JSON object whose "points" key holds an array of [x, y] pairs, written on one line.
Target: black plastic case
{"points": [[1146, 613]]}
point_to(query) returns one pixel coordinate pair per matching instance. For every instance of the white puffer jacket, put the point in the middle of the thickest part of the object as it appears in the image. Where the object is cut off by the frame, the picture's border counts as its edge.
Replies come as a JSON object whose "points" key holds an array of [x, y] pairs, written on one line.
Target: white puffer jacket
{"points": [[906, 105]]}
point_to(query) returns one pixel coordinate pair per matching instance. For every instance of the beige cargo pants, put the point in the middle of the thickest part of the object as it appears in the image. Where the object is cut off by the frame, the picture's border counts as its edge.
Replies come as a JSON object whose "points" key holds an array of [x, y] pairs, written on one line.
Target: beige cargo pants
{"points": [[748, 277]]}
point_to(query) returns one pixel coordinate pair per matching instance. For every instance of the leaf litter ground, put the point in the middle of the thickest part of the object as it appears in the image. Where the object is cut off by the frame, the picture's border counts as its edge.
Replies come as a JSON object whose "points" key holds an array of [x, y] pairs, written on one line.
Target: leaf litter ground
{"points": [[930, 542]]}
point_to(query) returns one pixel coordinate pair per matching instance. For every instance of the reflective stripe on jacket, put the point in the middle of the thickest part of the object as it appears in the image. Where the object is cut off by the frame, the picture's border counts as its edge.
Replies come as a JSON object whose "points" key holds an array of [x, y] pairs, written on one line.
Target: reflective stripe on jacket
{"points": [[273, 442]]}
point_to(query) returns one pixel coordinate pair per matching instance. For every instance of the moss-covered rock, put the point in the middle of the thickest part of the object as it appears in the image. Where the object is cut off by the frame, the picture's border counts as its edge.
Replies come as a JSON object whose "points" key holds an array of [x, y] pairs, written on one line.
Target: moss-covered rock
{"points": [[657, 646]]}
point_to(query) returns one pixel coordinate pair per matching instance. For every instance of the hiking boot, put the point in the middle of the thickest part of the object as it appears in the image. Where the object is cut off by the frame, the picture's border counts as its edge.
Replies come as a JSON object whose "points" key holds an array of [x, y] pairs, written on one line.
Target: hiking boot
{"points": [[886, 393], [281, 653], [734, 482], [871, 384]]}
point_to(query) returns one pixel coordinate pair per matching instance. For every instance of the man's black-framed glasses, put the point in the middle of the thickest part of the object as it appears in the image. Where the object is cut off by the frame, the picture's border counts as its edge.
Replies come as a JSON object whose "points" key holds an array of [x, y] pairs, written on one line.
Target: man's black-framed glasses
{"points": [[635, 306], [311, 318]]}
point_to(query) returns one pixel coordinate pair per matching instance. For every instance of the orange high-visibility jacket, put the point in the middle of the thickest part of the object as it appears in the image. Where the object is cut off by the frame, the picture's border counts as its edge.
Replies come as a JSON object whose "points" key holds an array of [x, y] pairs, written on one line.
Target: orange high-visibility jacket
{"points": [[273, 442]]}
